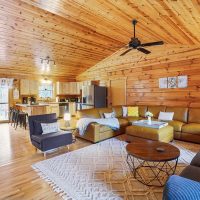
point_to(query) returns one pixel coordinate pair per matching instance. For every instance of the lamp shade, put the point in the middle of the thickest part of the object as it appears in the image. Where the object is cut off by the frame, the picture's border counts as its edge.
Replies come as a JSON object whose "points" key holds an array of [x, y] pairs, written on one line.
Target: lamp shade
{"points": [[67, 116]]}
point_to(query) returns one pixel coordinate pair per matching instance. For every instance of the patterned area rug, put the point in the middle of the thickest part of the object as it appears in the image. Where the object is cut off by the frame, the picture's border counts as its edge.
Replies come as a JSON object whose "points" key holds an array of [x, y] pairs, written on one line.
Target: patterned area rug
{"points": [[100, 171]]}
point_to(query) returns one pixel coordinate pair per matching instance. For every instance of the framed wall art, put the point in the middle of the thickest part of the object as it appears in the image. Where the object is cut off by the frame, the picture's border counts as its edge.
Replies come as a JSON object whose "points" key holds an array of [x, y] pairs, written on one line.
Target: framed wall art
{"points": [[162, 82], [182, 81], [172, 82]]}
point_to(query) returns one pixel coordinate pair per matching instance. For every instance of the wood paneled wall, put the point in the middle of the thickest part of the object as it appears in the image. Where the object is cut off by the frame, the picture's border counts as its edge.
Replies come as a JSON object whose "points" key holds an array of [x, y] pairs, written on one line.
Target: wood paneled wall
{"points": [[143, 73]]}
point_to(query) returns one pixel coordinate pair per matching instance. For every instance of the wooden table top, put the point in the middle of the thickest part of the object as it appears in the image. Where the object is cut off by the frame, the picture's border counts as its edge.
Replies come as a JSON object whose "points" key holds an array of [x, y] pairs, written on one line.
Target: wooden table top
{"points": [[147, 150]]}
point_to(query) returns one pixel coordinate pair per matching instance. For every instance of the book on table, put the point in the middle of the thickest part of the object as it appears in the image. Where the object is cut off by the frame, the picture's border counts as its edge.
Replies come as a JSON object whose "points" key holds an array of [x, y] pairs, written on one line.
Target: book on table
{"points": [[154, 124]]}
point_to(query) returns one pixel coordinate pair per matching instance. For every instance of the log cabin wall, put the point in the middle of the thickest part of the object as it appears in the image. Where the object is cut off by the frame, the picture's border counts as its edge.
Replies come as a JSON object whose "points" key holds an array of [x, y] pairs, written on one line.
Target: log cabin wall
{"points": [[143, 73]]}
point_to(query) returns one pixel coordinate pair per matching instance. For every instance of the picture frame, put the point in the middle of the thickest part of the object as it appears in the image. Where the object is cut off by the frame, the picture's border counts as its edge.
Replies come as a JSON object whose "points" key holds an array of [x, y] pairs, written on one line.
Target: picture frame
{"points": [[182, 81], [172, 82], [162, 82]]}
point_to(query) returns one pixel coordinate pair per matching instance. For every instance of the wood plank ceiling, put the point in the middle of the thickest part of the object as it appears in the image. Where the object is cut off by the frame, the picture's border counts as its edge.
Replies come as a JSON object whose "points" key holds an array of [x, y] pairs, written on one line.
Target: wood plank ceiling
{"points": [[78, 34]]}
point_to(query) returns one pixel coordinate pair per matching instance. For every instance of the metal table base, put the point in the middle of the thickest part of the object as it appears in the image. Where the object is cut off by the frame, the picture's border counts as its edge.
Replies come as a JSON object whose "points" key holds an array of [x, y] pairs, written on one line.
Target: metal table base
{"points": [[160, 171]]}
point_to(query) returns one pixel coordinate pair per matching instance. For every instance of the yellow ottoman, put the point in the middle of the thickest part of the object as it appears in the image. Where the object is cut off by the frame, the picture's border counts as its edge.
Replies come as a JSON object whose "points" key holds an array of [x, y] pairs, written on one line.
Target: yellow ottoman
{"points": [[165, 134]]}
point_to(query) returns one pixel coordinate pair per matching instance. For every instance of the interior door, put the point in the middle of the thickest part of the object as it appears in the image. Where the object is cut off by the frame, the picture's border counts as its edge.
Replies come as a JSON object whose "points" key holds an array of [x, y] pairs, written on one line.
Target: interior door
{"points": [[4, 104], [118, 92]]}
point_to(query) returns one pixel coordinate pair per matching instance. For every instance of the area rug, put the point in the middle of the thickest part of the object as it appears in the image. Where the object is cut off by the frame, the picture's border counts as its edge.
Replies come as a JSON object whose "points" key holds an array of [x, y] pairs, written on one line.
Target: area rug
{"points": [[100, 172]]}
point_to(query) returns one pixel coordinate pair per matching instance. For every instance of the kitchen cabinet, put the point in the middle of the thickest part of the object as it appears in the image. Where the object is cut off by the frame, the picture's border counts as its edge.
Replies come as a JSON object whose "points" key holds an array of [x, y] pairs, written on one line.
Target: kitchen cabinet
{"points": [[67, 88], [28, 87], [24, 87], [33, 87], [73, 88], [53, 108]]}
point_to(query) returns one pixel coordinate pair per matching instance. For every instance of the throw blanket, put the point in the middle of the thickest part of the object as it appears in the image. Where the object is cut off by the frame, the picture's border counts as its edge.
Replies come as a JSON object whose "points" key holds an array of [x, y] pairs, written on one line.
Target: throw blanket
{"points": [[83, 123]]}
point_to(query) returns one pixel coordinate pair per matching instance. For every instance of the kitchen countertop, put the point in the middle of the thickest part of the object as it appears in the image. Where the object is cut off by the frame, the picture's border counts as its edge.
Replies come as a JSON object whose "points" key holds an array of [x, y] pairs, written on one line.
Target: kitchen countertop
{"points": [[34, 105], [42, 104]]}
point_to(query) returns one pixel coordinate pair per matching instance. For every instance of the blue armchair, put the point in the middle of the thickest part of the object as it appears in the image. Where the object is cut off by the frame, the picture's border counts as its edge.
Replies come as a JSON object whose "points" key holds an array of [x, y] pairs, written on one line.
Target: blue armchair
{"points": [[180, 188], [45, 142], [187, 185]]}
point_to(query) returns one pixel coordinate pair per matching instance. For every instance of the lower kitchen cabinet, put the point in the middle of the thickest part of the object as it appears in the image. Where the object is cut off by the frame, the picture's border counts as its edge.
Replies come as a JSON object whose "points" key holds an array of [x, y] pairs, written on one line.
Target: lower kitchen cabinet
{"points": [[53, 108]]}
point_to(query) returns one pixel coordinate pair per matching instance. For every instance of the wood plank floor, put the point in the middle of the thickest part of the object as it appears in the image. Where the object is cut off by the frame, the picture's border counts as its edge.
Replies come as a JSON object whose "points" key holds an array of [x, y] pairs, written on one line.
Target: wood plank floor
{"points": [[17, 179]]}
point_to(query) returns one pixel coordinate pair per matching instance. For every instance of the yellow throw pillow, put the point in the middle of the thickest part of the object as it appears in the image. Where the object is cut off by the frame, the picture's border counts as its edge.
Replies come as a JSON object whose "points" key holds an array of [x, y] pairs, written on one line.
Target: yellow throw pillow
{"points": [[133, 112]]}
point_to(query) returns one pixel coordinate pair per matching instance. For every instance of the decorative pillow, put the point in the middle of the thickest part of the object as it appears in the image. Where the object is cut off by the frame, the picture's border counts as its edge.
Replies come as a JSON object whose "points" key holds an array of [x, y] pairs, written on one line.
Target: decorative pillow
{"points": [[166, 116], [50, 127], [124, 111], [38, 127], [133, 111], [109, 115]]}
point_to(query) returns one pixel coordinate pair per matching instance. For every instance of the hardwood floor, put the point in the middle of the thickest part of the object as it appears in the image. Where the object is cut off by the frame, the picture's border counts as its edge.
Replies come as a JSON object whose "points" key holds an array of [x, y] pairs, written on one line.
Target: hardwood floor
{"points": [[18, 179]]}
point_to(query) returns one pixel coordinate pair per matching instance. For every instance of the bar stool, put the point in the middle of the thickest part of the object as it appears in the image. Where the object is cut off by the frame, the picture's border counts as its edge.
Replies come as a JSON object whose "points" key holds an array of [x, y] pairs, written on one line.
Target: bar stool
{"points": [[21, 119], [13, 117], [10, 114]]}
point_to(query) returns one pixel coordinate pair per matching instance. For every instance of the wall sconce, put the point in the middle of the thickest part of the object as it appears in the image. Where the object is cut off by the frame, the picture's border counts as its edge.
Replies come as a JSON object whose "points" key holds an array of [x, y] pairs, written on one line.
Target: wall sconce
{"points": [[46, 63]]}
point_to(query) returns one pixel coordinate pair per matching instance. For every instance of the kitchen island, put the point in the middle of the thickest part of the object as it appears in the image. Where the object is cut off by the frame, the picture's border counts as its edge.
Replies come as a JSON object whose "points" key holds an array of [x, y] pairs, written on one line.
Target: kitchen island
{"points": [[48, 107], [35, 109]]}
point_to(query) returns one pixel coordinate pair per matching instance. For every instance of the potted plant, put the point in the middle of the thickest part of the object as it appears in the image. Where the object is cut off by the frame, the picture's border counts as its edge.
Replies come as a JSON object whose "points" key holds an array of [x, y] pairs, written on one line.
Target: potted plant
{"points": [[149, 115]]}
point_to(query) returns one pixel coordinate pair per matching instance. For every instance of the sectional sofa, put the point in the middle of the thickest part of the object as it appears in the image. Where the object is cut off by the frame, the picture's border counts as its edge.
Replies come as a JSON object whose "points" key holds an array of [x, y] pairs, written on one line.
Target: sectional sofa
{"points": [[186, 122]]}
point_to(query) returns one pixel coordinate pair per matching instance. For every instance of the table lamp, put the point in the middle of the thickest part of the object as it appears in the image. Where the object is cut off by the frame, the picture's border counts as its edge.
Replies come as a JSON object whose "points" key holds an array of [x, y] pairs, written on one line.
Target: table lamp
{"points": [[67, 118]]}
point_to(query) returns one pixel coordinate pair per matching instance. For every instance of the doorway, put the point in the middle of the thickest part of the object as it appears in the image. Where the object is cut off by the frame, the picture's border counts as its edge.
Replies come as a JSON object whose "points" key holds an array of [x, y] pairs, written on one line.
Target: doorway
{"points": [[4, 104], [118, 92]]}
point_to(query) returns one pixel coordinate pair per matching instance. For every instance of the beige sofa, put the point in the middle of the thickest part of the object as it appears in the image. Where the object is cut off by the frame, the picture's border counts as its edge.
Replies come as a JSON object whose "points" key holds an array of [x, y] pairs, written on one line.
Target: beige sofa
{"points": [[186, 122]]}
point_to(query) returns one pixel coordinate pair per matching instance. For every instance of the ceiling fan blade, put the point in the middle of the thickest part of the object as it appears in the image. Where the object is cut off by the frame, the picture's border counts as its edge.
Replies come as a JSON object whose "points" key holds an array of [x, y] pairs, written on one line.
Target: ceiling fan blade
{"points": [[125, 52], [143, 50], [152, 44]]}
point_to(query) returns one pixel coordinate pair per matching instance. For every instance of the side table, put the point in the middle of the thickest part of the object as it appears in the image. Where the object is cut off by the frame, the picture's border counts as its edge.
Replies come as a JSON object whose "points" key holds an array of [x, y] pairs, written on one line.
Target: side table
{"points": [[72, 129]]}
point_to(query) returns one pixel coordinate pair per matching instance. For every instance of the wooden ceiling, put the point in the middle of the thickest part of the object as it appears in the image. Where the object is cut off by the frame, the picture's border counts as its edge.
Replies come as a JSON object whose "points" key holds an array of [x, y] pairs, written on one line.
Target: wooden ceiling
{"points": [[78, 34]]}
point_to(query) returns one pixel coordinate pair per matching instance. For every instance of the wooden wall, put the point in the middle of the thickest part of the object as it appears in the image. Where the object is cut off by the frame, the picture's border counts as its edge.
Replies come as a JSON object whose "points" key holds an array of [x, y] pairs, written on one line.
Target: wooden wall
{"points": [[143, 74]]}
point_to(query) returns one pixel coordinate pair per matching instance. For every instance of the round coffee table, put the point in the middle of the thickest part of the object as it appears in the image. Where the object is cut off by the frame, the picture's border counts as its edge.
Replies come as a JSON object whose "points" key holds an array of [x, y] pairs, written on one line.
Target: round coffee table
{"points": [[152, 162]]}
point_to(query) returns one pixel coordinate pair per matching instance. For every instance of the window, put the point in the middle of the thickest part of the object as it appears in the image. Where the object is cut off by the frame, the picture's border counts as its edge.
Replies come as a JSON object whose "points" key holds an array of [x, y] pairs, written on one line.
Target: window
{"points": [[46, 90]]}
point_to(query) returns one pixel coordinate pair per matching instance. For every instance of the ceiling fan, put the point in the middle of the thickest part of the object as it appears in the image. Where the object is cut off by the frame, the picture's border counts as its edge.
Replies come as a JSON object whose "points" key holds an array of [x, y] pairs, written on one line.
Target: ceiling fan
{"points": [[136, 44]]}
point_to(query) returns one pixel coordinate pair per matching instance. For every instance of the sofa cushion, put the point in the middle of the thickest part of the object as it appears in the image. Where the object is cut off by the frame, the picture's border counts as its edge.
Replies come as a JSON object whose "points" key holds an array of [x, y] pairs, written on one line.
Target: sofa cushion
{"points": [[37, 125], [133, 111], [191, 172], [103, 128], [155, 110], [166, 116], [142, 110], [39, 138], [117, 110], [123, 122], [124, 111], [180, 113], [196, 160], [104, 110], [50, 127], [191, 128], [90, 113], [109, 115], [194, 115], [52, 140], [176, 124]]}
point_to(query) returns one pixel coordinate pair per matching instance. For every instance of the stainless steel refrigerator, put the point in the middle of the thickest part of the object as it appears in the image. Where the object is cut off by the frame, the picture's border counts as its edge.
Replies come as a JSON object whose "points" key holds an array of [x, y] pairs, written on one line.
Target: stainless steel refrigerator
{"points": [[94, 96]]}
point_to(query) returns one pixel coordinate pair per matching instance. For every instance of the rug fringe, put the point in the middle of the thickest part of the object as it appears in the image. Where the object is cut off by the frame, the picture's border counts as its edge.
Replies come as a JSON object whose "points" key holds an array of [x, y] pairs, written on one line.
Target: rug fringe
{"points": [[55, 187]]}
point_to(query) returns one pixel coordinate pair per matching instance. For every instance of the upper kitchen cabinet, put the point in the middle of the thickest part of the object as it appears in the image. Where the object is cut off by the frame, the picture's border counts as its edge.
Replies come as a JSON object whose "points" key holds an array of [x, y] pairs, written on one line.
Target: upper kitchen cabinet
{"points": [[28, 87], [67, 88], [33, 87]]}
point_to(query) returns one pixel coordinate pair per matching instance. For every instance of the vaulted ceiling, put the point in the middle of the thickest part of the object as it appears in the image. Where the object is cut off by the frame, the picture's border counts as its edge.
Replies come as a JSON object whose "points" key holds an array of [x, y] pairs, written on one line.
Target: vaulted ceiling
{"points": [[78, 34]]}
